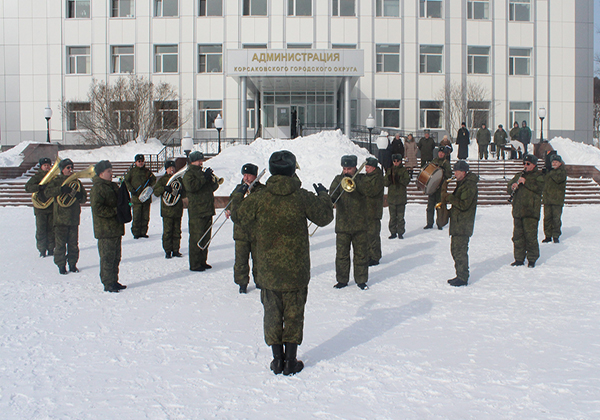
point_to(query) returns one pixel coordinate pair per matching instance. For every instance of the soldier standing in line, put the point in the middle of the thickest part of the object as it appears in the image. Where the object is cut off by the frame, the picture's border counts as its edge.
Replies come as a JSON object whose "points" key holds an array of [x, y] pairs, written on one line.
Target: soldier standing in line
{"points": [[66, 219], [426, 146], [483, 141], [351, 225], [277, 217], [374, 209], [462, 219], [244, 248], [526, 192], [171, 215], [397, 179], [107, 228], [44, 224], [436, 196], [555, 184], [199, 186], [137, 179]]}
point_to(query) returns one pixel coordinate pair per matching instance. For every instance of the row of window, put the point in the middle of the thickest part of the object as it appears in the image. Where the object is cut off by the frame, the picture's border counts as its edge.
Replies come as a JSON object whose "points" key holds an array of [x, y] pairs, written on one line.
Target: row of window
{"points": [[210, 59], [518, 10]]}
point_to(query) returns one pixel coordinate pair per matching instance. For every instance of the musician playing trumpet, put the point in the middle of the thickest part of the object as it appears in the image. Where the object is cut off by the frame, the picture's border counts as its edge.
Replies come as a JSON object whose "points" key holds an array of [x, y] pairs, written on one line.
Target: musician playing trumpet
{"points": [[66, 214], [171, 210], [435, 197], [137, 179]]}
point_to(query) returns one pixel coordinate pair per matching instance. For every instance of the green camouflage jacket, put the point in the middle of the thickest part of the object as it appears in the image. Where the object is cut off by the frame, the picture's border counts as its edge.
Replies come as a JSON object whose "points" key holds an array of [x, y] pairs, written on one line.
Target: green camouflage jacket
{"points": [[103, 198], [464, 206], [33, 186], [137, 179], [483, 136], [396, 179], [351, 208], [555, 185], [169, 211], [426, 146], [277, 216], [65, 216], [239, 233], [500, 137], [527, 199], [375, 196], [200, 192]]}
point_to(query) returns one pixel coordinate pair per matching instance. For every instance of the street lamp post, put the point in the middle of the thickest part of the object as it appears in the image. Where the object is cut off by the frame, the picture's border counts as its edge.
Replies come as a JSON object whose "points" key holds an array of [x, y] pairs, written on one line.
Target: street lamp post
{"points": [[219, 127], [47, 116], [370, 126], [542, 115], [187, 144]]}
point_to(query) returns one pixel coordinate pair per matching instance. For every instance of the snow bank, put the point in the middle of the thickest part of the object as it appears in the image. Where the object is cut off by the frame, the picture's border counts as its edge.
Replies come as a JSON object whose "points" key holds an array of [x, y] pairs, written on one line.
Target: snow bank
{"points": [[14, 157], [124, 153], [576, 153]]}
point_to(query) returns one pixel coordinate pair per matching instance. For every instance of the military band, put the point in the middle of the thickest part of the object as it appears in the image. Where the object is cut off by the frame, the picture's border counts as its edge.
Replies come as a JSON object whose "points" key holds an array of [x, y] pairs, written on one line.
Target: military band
{"points": [[171, 210], [139, 180], [42, 209]]}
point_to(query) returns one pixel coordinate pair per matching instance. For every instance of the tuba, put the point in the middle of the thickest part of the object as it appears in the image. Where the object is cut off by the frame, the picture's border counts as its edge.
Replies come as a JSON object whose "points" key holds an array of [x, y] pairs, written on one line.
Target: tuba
{"points": [[67, 200], [172, 198], [38, 199]]}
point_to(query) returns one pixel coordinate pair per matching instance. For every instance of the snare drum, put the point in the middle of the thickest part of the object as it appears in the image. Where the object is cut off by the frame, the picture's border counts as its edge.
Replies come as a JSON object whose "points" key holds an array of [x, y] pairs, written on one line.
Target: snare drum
{"points": [[430, 179]]}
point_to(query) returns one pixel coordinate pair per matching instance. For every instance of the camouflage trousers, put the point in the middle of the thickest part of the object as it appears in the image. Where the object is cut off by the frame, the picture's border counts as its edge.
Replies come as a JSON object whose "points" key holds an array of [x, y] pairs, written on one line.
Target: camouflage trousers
{"points": [[171, 237], [109, 250], [552, 222], [433, 199], [66, 248], [197, 227], [374, 239], [358, 241], [141, 218], [44, 230], [459, 248], [483, 151], [284, 315], [241, 266], [525, 239], [397, 223]]}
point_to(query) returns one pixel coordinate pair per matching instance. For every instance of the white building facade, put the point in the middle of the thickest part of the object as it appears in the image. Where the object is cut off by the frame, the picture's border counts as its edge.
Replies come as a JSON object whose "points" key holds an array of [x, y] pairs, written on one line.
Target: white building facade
{"points": [[288, 66]]}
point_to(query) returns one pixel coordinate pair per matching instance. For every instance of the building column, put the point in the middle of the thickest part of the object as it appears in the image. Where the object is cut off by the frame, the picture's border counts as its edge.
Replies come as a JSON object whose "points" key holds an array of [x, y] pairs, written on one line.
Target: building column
{"points": [[256, 113], [243, 108], [347, 106]]}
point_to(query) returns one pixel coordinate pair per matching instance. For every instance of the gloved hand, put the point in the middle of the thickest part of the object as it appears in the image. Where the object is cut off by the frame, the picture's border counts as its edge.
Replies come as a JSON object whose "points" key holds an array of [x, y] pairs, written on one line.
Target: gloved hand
{"points": [[208, 174], [319, 187], [79, 195], [65, 189], [242, 188], [168, 189], [41, 188]]}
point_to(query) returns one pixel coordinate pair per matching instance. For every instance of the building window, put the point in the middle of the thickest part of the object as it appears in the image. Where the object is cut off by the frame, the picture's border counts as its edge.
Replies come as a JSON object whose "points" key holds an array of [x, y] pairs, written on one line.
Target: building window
{"points": [[78, 60], [430, 114], [478, 9], [165, 58], [210, 58], [255, 8], [254, 46], [343, 46], [168, 114], [519, 10], [122, 59], [299, 7], [478, 60], [165, 8], [211, 8], [430, 59], [122, 8], [387, 8], [519, 61], [478, 112], [430, 8], [78, 8], [76, 113], [250, 115], [387, 113], [342, 8], [388, 58], [519, 112], [292, 46], [123, 115], [207, 112]]}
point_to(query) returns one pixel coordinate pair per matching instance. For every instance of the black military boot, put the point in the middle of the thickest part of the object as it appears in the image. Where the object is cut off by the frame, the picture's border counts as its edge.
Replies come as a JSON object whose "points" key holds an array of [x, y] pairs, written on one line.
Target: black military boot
{"points": [[457, 282], [393, 236], [42, 254], [277, 362], [291, 365], [339, 285], [556, 241], [546, 240], [50, 252], [73, 268], [363, 286], [243, 288], [177, 254], [531, 264], [62, 270], [168, 255], [517, 263]]}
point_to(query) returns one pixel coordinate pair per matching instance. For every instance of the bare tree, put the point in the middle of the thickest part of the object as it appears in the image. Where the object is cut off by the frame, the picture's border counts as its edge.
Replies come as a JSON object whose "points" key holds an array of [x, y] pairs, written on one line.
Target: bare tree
{"points": [[133, 108], [460, 101]]}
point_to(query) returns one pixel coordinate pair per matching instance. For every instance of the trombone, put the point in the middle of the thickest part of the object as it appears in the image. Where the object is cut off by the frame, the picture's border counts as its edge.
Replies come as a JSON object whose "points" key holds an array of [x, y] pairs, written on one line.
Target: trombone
{"points": [[203, 247]]}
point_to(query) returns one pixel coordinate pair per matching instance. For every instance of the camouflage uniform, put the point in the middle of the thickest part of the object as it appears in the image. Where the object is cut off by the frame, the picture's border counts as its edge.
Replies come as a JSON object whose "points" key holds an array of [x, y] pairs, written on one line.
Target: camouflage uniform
{"points": [[66, 223], [277, 217], [526, 206], [44, 223], [107, 229], [500, 139], [351, 229], [483, 141], [137, 179], [426, 146], [462, 221], [397, 179], [201, 209], [374, 213], [436, 197], [243, 241], [171, 215], [554, 200]]}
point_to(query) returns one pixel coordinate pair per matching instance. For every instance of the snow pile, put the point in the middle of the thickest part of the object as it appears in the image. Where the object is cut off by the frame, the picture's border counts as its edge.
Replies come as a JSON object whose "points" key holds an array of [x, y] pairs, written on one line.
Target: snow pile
{"points": [[124, 153], [14, 157], [576, 153]]}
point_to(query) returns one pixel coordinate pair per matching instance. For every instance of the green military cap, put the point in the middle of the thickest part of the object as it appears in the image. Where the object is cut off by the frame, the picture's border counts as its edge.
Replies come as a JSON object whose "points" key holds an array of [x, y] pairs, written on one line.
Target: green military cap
{"points": [[371, 161], [282, 162], [349, 161]]}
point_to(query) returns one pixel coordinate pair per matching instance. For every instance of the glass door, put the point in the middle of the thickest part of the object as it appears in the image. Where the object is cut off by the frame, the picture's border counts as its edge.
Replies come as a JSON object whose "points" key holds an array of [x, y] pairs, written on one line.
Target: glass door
{"points": [[282, 122]]}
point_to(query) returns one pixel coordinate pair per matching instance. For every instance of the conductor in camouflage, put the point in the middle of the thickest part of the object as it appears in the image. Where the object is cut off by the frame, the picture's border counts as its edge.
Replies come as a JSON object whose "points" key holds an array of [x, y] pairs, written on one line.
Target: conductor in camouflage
{"points": [[44, 223]]}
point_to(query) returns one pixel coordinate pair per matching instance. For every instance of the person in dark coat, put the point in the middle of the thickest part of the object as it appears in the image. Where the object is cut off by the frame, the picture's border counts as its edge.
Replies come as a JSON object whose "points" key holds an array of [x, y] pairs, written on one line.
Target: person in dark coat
{"points": [[374, 209], [555, 184], [526, 191], [397, 179], [277, 216], [384, 147], [200, 186], [396, 146], [463, 141], [426, 146], [137, 179], [107, 228], [244, 243], [462, 220], [447, 144], [44, 223], [525, 136], [483, 141], [171, 215], [500, 140], [436, 196]]}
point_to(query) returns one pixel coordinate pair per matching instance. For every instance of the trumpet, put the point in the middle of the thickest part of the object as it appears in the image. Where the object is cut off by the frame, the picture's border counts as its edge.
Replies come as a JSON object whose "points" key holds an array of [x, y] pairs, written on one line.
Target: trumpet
{"points": [[172, 198], [216, 179], [67, 200], [37, 198]]}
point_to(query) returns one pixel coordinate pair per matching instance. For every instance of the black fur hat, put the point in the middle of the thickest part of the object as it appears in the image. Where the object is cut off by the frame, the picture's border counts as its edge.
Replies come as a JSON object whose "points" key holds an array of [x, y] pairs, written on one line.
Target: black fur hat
{"points": [[139, 157], [43, 161], [349, 161], [169, 164], [530, 158], [371, 161], [64, 163], [102, 166], [250, 168], [282, 162]]}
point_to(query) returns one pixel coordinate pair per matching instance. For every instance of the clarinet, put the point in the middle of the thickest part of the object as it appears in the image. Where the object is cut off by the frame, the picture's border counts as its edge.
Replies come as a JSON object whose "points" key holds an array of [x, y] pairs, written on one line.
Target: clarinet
{"points": [[512, 194]]}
